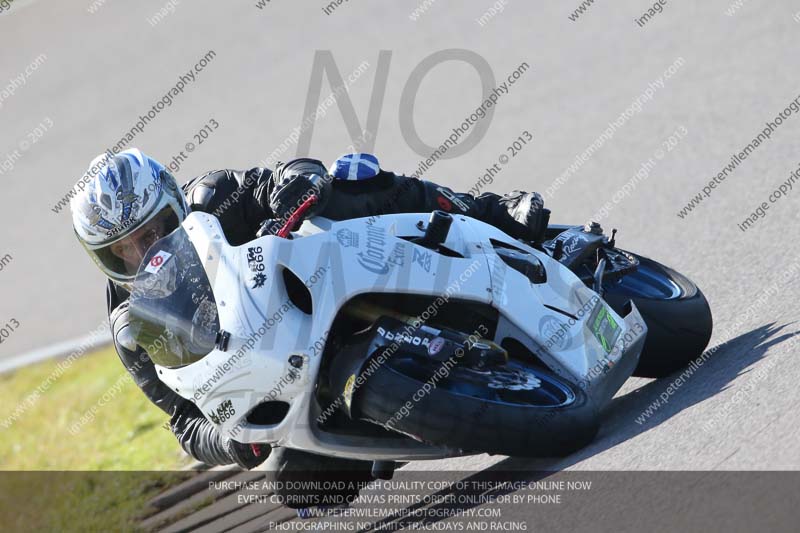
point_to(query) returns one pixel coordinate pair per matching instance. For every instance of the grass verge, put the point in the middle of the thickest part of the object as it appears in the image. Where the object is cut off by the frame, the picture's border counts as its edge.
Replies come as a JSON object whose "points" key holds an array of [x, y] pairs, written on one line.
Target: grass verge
{"points": [[118, 430]]}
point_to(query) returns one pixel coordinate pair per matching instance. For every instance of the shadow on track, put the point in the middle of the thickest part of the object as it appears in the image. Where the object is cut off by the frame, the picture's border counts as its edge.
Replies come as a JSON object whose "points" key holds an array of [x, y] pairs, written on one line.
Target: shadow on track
{"points": [[622, 418], [729, 360]]}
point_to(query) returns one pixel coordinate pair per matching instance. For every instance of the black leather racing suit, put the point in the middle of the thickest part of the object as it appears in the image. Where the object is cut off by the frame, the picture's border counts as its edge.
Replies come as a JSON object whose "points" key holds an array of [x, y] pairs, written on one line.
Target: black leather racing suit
{"points": [[240, 199]]}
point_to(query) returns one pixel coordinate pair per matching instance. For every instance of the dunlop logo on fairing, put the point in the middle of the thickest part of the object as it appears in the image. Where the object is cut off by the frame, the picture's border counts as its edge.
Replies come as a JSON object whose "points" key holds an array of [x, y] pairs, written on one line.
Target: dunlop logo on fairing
{"points": [[400, 337]]}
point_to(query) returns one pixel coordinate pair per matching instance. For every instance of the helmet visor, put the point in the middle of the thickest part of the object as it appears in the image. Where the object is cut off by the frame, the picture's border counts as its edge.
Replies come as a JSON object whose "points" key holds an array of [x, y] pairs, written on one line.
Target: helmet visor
{"points": [[120, 259]]}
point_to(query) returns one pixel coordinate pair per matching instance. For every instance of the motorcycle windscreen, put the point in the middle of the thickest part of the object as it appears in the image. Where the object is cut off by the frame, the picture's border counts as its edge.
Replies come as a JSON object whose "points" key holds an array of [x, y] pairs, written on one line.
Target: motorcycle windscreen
{"points": [[173, 314]]}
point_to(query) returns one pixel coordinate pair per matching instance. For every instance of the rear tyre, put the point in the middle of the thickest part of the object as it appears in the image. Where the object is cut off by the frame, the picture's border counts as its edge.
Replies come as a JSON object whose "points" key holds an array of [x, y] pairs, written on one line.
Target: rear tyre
{"points": [[677, 314], [466, 410]]}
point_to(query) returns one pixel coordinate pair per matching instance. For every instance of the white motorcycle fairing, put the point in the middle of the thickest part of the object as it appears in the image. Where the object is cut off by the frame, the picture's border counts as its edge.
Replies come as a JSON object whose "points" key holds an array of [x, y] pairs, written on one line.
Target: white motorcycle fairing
{"points": [[274, 339]]}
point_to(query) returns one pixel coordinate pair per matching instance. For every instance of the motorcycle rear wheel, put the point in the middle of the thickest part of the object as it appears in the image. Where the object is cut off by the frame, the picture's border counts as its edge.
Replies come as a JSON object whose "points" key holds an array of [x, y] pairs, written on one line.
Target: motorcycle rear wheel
{"points": [[677, 314]]}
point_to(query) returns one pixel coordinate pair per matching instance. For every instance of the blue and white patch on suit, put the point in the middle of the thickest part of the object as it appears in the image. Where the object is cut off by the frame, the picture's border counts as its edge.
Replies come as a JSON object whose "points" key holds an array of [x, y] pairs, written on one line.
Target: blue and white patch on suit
{"points": [[355, 167]]}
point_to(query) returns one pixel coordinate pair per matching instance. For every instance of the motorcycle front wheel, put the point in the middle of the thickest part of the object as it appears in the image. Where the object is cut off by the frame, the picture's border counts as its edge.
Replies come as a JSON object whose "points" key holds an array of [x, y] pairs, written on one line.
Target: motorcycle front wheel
{"points": [[516, 409]]}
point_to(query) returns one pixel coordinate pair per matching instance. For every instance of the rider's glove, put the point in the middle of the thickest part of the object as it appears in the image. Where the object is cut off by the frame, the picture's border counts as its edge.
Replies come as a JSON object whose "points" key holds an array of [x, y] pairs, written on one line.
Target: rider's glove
{"points": [[248, 455], [295, 182], [527, 208], [271, 226]]}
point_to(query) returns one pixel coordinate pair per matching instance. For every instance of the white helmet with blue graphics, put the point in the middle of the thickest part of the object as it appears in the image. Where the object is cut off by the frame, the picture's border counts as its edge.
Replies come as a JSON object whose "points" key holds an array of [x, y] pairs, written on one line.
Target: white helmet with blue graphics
{"points": [[125, 204]]}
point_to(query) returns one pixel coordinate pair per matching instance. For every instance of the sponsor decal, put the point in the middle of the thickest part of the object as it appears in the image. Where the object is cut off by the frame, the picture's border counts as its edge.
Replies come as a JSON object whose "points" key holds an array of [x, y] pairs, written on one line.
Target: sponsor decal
{"points": [[121, 227], [436, 345], [255, 262], [398, 255], [222, 413], [347, 238], [259, 280], [255, 259], [401, 337], [555, 331], [373, 256], [422, 258], [157, 261], [604, 327], [574, 243]]}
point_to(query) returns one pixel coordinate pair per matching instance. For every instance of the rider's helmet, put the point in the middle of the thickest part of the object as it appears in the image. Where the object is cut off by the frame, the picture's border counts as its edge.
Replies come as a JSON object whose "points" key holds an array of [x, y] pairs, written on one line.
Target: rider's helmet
{"points": [[125, 203]]}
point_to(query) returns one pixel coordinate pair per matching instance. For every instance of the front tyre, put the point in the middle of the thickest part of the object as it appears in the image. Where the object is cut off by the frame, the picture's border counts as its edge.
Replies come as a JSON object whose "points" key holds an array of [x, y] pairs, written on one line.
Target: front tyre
{"points": [[676, 312], [302, 479], [515, 409]]}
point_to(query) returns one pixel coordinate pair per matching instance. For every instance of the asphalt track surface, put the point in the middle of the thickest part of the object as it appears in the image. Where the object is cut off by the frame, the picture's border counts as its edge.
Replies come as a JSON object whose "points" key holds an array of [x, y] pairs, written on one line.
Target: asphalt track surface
{"points": [[735, 73]]}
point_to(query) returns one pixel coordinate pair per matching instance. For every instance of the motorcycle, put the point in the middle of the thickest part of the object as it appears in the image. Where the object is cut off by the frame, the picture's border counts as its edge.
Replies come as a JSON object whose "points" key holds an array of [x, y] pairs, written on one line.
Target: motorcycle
{"points": [[409, 336]]}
